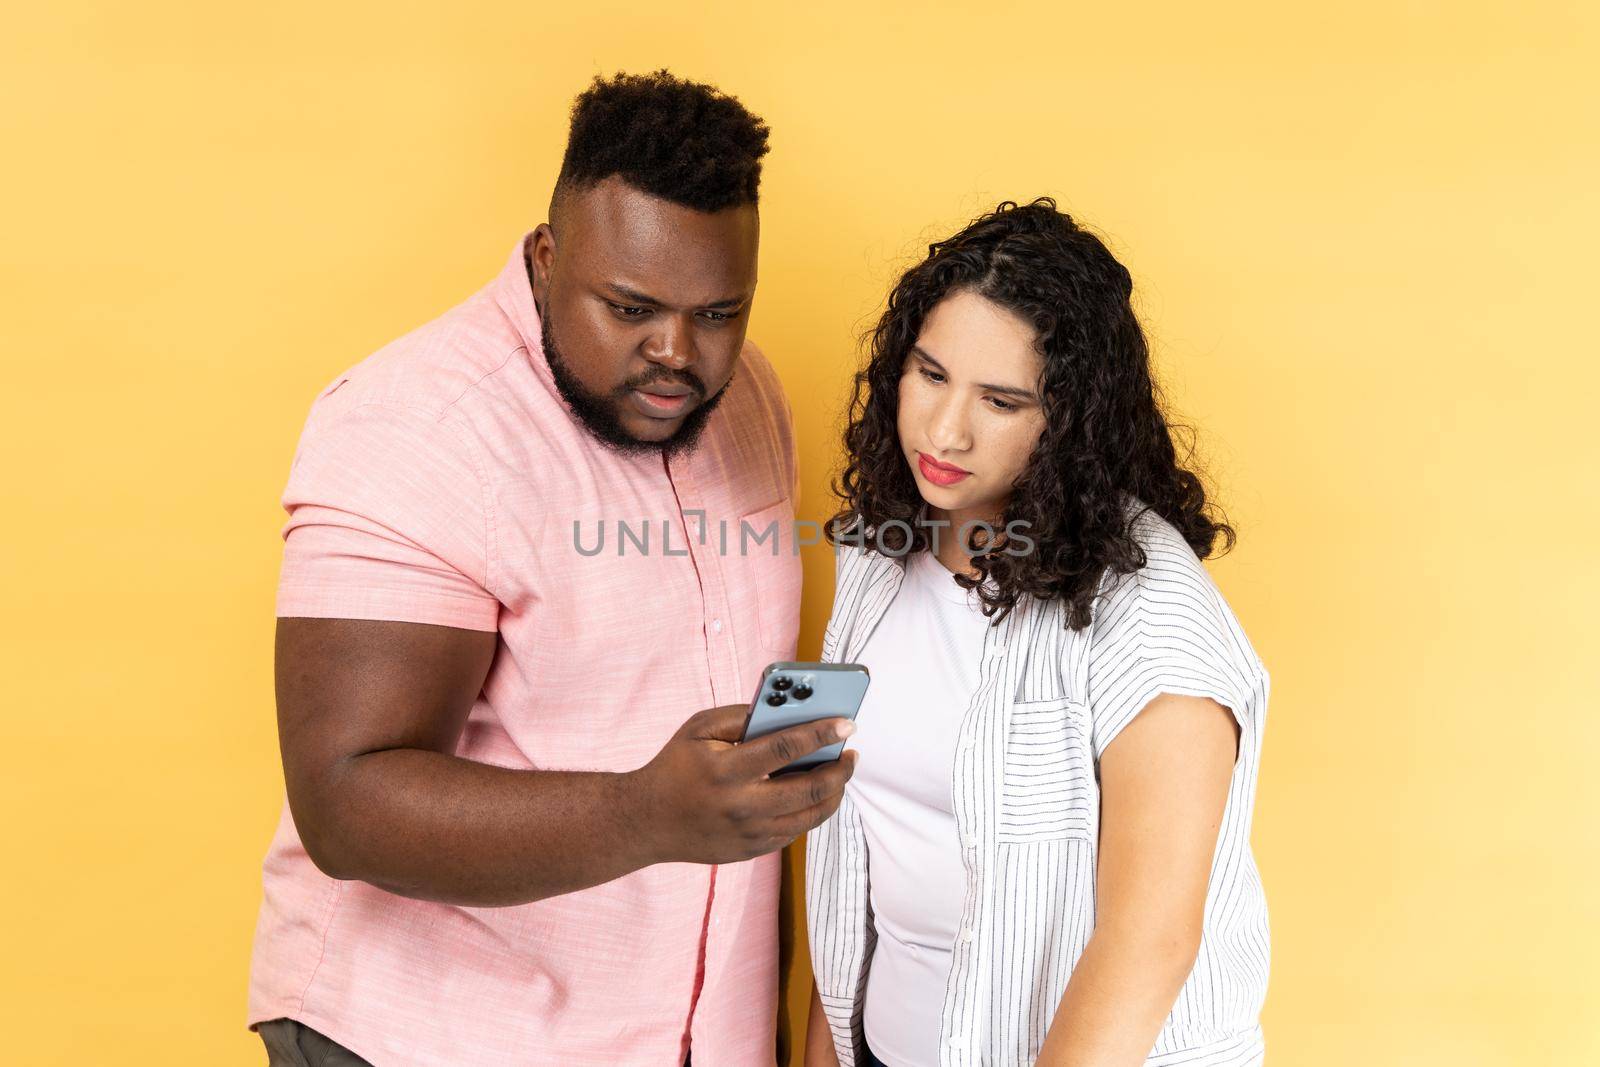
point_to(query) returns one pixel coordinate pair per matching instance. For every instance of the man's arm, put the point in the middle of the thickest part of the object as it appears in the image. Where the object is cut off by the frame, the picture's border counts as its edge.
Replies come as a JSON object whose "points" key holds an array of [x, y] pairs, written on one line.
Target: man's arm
{"points": [[1164, 785], [369, 714]]}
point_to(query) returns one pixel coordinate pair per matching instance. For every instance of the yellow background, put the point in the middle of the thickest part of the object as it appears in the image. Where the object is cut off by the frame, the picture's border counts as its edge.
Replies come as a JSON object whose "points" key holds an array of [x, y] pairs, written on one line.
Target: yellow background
{"points": [[1364, 237]]}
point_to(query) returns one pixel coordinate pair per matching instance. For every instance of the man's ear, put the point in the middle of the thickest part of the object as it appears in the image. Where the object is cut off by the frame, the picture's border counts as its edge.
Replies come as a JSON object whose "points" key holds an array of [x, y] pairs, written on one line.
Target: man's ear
{"points": [[541, 258]]}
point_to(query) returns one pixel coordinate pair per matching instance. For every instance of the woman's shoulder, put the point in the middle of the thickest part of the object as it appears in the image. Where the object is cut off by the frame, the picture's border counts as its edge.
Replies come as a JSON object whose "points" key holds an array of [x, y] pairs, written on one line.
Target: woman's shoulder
{"points": [[1172, 596], [1161, 541], [1167, 558], [1166, 627]]}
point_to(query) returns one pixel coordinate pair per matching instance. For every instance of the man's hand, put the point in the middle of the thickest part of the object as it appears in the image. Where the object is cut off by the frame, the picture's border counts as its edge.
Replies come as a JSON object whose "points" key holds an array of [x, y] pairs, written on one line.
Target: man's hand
{"points": [[711, 800], [370, 714]]}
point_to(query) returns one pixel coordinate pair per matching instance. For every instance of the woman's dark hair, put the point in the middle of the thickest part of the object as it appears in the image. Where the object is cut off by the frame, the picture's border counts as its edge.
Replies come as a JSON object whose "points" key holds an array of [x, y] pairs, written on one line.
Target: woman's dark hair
{"points": [[1105, 438]]}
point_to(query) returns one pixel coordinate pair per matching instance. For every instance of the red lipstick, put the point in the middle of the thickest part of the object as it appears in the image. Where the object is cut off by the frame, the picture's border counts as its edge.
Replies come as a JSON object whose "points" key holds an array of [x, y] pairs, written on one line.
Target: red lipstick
{"points": [[939, 473]]}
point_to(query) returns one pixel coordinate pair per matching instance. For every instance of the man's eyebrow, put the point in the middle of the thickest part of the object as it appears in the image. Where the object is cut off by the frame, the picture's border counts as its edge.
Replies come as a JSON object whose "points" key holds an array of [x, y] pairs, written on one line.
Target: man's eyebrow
{"points": [[633, 296], [1006, 390]]}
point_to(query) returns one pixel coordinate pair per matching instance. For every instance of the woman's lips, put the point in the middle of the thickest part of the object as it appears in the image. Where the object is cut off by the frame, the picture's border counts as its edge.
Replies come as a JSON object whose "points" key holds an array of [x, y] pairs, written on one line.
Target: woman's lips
{"points": [[939, 473]]}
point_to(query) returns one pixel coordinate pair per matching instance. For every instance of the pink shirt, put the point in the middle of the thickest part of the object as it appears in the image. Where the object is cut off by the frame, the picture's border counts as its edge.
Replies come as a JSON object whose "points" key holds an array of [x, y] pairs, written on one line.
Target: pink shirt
{"points": [[439, 481]]}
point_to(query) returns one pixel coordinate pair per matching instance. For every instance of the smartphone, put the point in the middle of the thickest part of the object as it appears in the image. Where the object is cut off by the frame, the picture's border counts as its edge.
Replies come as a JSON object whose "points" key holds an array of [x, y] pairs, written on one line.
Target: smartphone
{"points": [[794, 693]]}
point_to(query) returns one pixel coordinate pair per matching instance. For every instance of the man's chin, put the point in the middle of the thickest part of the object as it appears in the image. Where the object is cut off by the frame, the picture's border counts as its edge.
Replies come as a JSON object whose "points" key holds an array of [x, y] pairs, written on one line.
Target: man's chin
{"points": [[646, 431], [626, 430], [617, 422], [645, 434]]}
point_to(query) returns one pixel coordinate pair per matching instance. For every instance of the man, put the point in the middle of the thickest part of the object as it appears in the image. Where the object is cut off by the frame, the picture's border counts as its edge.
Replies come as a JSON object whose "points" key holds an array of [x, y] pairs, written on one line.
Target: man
{"points": [[508, 836]]}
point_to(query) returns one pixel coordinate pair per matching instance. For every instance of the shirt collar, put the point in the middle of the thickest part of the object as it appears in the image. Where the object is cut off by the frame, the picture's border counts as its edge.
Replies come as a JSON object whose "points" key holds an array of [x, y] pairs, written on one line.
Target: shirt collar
{"points": [[514, 294]]}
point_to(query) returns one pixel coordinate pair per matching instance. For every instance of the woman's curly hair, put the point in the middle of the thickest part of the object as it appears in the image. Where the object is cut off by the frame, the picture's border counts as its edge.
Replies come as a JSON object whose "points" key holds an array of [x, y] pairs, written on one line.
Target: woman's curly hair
{"points": [[1105, 439]]}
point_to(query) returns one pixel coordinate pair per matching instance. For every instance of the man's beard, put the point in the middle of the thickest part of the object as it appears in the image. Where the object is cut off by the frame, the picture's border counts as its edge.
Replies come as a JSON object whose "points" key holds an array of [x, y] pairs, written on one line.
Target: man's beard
{"points": [[598, 414]]}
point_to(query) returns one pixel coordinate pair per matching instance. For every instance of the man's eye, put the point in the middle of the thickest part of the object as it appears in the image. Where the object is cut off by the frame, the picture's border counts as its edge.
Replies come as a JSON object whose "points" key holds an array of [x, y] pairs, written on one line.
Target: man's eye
{"points": [[628, 311], [716, 316]]}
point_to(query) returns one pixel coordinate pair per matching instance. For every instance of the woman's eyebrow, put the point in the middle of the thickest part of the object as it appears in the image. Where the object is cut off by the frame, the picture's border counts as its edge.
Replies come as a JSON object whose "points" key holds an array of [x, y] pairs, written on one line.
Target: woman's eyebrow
{"points": [[1006, 390], [1011, 390], [923, 354]]}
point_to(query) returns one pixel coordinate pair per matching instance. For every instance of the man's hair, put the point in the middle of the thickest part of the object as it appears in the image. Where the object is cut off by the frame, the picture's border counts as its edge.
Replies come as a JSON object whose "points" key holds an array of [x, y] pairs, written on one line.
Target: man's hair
{"points": [[679, 140]]}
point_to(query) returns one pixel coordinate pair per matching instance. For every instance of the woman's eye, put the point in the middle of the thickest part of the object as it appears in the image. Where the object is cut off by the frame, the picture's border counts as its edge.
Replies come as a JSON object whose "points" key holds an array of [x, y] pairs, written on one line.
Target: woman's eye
{"points": [[1002, 405], [932, 376]]}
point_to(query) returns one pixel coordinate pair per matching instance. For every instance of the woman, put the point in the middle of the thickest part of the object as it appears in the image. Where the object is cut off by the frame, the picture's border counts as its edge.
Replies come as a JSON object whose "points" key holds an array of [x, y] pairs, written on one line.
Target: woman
{"points": [[1044, 853]]}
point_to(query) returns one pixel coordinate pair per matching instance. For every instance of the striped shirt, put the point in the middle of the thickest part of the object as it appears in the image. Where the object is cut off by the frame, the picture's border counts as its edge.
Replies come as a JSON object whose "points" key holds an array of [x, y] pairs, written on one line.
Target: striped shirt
{"points": [[1027, 805]]}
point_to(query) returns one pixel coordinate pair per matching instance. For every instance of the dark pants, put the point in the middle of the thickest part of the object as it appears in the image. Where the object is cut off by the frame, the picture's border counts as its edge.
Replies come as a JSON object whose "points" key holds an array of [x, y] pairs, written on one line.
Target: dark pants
{"points": [[292, 1044]]}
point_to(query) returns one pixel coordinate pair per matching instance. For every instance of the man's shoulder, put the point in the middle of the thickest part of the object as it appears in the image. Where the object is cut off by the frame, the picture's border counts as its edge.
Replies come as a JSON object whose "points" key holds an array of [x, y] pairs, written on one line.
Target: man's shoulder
{"points": [[433, 367], [753, 357], [759, 424], [757, 392]]}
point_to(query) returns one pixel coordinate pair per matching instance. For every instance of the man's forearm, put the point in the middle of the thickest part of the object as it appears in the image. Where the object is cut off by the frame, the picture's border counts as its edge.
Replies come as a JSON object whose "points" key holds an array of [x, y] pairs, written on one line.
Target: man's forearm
{"points": [[436, 827]]}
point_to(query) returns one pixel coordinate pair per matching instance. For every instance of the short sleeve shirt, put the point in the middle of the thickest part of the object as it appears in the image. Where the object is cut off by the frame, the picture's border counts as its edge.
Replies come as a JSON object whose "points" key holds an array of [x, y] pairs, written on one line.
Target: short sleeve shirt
{"points": [[444, 481], [1048, 702]]}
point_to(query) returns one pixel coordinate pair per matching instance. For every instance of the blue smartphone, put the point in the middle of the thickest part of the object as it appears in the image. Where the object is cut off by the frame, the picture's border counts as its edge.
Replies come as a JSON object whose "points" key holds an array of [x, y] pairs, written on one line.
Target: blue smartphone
{"points": [[795, 693]]}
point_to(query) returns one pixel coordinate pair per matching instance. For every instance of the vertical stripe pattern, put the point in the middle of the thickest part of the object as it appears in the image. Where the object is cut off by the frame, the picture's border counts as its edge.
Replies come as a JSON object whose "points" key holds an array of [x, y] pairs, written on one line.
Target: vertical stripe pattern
{"points": [[1025, 792]]}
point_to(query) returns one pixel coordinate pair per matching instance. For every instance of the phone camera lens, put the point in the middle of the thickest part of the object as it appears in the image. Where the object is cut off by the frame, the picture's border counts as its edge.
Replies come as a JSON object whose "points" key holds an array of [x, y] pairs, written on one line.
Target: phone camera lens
{"points": [[802, 691], [782, 682], [776, 699]]}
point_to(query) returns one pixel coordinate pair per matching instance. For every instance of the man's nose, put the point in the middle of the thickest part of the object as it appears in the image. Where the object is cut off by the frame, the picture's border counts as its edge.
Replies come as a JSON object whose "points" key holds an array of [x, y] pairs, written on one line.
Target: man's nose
{"points": [[672, 343]]}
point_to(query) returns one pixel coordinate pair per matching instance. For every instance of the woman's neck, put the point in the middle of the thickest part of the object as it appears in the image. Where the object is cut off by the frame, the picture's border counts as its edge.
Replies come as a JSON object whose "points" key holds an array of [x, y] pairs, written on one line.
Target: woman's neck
{"points": [[952, 547]]}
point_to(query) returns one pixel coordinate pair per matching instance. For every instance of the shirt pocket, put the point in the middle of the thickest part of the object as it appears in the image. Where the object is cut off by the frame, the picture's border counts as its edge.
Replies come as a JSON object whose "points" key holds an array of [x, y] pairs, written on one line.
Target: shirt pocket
{"points": [[766, 540], [1048, 787]]}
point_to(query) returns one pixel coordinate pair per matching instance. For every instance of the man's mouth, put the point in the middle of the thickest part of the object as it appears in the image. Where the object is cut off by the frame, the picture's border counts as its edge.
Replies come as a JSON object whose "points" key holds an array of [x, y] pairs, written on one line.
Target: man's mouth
{"points": [[662, 401]]}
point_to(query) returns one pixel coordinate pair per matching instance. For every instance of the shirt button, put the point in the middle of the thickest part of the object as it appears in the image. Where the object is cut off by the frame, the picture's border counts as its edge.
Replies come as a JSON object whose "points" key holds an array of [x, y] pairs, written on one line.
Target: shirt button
{"points": [[716, 626], [966, 934], [967, 841], [967, 744]]}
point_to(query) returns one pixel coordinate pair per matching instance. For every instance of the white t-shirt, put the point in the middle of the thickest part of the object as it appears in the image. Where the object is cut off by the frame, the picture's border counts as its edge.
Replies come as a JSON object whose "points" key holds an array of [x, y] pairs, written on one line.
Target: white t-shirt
{"points": [[924, 658]]}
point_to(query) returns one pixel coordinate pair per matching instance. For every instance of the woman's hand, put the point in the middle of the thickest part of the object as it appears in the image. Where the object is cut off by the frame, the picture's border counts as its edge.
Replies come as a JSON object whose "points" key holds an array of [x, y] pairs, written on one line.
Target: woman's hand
{"points": [[1163, 787]]}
